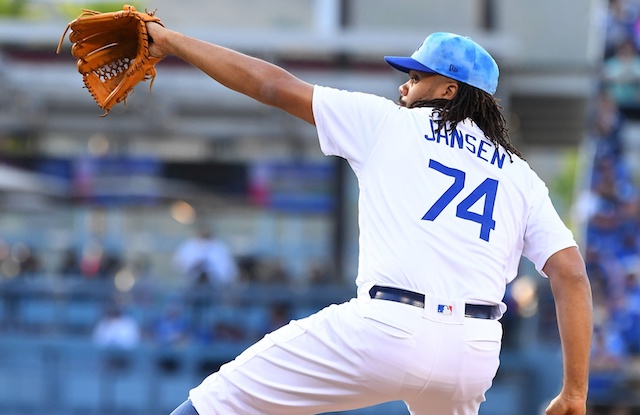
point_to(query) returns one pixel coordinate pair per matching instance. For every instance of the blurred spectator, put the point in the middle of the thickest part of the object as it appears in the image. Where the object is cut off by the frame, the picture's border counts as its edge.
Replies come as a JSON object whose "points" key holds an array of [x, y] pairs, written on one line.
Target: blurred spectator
{"points": [[247, 268], [206, 260], [172, 327], [608, 353], [271, 271], [632, 289], [320, 273], [228, 331], [279, 315], [110, 264], [223, 330], [623, 320], [118, 334], [146, 283], [632, 305], [608, 360], [619, 24], [70, 265], [621, 77], [261, 270], [627, 246], [116, 330], [90, 259], [611, 179], [597, 271], [30, 262], [608, 121]]}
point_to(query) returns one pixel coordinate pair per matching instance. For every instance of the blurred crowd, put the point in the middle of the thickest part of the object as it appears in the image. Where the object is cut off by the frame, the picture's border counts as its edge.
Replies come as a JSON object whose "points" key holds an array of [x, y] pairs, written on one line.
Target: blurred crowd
{"points": [[176, 324], [620, 73], [610, 207], [120, 307], [215, 296]]}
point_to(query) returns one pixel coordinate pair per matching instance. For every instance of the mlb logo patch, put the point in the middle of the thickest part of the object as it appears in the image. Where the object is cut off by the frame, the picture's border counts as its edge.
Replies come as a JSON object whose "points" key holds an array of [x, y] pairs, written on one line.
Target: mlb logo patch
{"points": [[445, 309]]}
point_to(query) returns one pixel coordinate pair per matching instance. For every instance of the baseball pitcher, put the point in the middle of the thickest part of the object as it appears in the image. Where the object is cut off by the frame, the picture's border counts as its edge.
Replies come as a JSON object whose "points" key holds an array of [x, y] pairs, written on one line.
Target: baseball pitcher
{"points": [[447, 208]]}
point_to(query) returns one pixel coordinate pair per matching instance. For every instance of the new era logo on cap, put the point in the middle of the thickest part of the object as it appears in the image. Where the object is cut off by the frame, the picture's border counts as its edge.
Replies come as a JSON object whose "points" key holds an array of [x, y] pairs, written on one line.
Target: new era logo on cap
{"points": [[453, 56]]}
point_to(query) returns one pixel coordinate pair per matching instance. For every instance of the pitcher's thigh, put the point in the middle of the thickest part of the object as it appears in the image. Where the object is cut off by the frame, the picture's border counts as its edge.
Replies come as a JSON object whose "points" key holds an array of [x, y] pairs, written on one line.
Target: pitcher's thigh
{"points": [[309, 366]]}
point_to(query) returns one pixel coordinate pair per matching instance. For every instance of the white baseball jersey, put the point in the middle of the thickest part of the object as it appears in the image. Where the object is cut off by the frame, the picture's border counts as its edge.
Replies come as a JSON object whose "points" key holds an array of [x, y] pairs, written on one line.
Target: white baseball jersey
{"points": [[442, 213], [447, 215]]}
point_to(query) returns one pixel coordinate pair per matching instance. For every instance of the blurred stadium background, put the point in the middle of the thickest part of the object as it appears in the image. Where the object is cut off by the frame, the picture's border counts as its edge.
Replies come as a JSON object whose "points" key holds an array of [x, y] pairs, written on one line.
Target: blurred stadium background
{"points": [[92, 210]]}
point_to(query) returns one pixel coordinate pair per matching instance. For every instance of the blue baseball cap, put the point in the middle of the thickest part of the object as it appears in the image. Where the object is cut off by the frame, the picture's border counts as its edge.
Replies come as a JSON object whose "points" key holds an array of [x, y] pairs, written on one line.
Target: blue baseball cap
{"points": [[454, 56]]}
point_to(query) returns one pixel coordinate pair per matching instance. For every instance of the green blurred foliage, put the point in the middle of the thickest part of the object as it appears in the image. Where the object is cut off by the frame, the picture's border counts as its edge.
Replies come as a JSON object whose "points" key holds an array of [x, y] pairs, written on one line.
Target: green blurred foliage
{"points": [[73, 10], [562, 188], [12, 8], [68, 10]]}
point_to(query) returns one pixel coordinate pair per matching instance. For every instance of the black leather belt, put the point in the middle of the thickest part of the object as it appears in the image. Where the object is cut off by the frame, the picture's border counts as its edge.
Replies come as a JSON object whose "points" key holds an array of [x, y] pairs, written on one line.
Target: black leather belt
{"points": [[487, 312]]}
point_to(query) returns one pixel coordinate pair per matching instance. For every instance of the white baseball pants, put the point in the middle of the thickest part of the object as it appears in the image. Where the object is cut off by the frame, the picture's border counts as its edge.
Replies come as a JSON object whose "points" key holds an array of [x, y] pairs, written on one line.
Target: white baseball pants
{"points": [[359, 354]]}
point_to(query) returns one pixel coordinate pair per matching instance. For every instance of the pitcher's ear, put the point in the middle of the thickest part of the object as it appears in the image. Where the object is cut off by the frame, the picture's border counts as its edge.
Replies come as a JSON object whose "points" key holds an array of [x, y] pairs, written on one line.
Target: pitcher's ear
{"points": [[451, 90]]}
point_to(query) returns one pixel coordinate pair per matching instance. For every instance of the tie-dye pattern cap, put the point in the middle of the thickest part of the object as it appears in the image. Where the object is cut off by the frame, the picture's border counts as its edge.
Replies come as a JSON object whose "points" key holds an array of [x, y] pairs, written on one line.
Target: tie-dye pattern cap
{"points": [[453, 56]]}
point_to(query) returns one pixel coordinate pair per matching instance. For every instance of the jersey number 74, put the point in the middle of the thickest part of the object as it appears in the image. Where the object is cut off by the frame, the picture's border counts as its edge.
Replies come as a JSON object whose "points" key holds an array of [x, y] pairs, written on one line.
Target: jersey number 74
{"points": [[488, 188]]}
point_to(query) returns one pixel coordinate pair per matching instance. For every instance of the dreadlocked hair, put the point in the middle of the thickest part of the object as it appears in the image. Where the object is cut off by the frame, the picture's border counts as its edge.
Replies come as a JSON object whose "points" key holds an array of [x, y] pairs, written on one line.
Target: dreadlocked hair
{"points": [[483, 109]]}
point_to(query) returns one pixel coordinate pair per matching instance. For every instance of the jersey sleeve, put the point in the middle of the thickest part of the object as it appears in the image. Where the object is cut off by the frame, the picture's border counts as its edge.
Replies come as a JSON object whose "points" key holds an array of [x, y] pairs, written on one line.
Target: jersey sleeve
{"points": [[545, 233], [348, 123]]}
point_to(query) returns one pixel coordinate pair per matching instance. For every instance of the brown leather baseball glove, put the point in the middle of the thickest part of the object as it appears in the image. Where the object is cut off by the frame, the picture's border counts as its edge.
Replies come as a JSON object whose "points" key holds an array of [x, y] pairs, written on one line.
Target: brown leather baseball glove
{"points": [[113, 52]]}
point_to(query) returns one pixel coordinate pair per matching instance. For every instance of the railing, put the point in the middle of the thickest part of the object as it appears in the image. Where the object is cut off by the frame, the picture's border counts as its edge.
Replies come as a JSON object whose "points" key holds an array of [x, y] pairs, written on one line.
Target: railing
{"points": [[52, 304]]}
